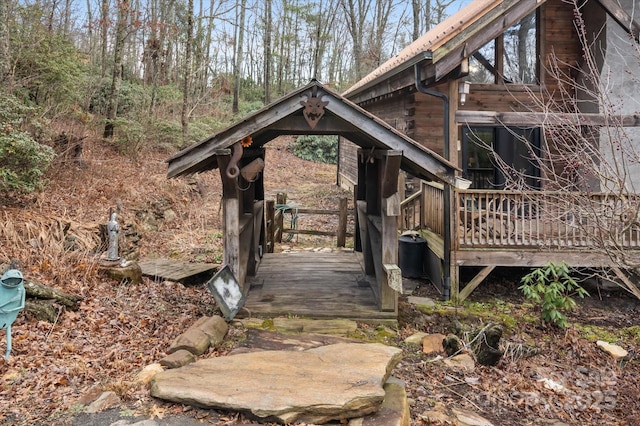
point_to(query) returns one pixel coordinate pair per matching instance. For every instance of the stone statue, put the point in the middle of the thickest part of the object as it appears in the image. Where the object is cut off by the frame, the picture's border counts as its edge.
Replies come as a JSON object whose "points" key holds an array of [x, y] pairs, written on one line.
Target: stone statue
{"points": [[112, 230]]}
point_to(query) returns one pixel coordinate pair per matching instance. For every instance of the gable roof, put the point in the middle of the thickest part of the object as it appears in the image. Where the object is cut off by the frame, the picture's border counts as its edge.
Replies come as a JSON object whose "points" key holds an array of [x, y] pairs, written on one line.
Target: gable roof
{"points": [[442, 49], [341, 117]]}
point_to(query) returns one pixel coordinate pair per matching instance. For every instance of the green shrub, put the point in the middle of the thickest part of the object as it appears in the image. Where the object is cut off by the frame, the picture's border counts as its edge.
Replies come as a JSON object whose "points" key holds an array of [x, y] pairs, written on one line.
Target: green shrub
{"points": [[129, 137], [23, 162], [552, 288], [321, 149]]}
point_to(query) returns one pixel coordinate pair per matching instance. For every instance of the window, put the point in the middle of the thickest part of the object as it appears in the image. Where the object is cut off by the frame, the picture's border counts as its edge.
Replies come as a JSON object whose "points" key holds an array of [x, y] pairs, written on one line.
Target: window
{"points": [[510, 58], [481, 144]]}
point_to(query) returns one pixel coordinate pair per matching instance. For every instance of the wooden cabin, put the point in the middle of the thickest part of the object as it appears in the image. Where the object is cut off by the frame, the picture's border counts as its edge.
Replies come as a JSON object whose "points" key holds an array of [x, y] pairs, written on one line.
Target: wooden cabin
{"points": [[495, 89]]}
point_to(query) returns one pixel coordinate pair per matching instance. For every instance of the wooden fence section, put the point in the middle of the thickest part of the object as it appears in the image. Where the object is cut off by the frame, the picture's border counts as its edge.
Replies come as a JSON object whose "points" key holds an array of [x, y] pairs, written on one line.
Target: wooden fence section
{"points": [[528, 219], [276, 225], [557, 220], [424, 209]]}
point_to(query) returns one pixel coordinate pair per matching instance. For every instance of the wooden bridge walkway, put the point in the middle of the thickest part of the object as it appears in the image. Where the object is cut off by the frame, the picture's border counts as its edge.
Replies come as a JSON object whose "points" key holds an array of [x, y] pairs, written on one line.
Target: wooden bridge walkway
{"points": [[313, 285]]}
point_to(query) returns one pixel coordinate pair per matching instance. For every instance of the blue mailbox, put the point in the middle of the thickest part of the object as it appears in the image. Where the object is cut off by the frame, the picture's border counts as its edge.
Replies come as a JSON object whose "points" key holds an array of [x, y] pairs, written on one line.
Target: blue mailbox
{"points": [[12, 296]]}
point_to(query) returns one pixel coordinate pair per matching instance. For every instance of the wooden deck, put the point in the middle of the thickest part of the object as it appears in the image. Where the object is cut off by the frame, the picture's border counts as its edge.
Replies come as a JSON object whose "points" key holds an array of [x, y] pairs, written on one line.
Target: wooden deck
{"points": [[174, 270], [313, 285]]}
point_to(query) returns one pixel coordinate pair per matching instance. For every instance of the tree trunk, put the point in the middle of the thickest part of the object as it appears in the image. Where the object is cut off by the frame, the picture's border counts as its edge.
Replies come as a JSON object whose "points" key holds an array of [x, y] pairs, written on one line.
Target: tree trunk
{"points": [[114, 92], [4, 42], [184, 116], [104, 32], [43, 310], [41, 291], [237, 70], [268, 24]]}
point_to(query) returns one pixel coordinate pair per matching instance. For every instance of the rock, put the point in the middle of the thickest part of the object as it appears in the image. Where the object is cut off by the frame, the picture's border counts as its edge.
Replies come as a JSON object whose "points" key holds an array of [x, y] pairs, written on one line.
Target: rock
{"points": [[146, 374], [108, 399], [272, 341], [214, 327], [338, 327], [423, 301], [416, 338], [462, 362], [91, 395], [193, 340], [333, 382], [205, 332], [615, 351], [178, 359], [466, 417], [131, 273], [169, 215], [394, 410], [432, 343]]}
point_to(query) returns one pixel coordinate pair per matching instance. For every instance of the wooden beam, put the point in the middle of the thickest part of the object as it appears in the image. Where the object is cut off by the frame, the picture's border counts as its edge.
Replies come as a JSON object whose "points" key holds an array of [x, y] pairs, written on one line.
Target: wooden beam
{"points": [[529, 258], [473, 284], [619, 15], [231, 212], [491, 25], [342, 223], [365, 240], [297, 125], [381, 135], [195, 157], [510, 118], [627, 282], [390, 169]]}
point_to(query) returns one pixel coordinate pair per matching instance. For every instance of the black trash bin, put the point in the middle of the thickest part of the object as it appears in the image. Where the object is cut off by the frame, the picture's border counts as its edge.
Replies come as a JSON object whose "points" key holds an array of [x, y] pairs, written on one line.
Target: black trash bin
{"points": [[411, 253]]}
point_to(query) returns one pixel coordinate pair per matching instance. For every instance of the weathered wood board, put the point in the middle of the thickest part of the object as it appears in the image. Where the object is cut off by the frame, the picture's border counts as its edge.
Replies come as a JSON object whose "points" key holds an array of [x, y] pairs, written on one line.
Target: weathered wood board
{"points": [[175, 270], [312, 285]]}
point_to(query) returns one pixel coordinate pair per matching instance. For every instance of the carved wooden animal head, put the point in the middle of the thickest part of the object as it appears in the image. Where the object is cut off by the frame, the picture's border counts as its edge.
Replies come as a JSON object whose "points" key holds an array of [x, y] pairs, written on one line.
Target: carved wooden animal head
{"points": [[313, 110]]}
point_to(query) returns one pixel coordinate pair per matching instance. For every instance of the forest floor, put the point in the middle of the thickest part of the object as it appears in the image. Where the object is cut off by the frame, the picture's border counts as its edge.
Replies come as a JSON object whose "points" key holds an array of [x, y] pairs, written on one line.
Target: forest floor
{"points": [[121, 328]]}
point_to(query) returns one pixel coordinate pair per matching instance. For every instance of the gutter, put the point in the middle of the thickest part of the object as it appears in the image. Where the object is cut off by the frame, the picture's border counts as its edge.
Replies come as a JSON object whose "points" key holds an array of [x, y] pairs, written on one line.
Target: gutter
{"points": [[425, 55], [446, 285]]}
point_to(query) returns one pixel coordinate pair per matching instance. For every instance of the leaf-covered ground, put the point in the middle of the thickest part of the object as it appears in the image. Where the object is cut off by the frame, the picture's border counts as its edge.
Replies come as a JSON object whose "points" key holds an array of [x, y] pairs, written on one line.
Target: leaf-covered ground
{"points": [[56, 367]]}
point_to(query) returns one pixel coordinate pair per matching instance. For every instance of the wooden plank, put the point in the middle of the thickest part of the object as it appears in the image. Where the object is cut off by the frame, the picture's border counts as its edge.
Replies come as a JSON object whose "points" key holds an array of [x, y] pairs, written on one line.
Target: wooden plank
{"points": [[174, 270], [530, 258], [510, 118], [342, 223], [389, 255], [473, 284], [298, 285], [363, 223]]}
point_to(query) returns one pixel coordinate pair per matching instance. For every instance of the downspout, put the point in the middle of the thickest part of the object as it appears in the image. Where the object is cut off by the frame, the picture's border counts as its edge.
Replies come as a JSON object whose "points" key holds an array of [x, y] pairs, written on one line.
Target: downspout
{"points": [[446, 285]]}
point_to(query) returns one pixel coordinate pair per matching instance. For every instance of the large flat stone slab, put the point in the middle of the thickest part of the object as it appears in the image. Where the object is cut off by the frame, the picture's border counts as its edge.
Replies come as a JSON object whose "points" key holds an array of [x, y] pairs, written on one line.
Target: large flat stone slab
{"points": [[318, 385]]}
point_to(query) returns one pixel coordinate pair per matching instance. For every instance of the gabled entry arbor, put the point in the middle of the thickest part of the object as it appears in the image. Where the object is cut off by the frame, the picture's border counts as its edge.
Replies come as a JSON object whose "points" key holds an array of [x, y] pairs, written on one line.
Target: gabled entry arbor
{"points": [[238, 152]]}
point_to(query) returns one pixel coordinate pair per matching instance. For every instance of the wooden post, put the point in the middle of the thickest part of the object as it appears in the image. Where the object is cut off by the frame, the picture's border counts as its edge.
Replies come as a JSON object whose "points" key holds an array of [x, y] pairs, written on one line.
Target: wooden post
{"points": [[390, 210], [402, 192], [357, 238], [270, 218], [342, 223], [279, 225], [231, 211]]}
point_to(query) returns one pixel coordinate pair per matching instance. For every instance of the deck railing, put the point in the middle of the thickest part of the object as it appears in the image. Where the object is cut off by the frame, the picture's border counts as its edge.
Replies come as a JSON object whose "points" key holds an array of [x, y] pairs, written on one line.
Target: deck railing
{"points": [[520, 219]]}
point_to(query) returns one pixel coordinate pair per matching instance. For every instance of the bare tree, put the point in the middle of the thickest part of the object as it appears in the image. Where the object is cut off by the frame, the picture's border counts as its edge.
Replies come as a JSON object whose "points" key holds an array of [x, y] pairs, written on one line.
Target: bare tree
{"points": [[4, 41], [116, 80], [184, 116], [237, 68]]}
